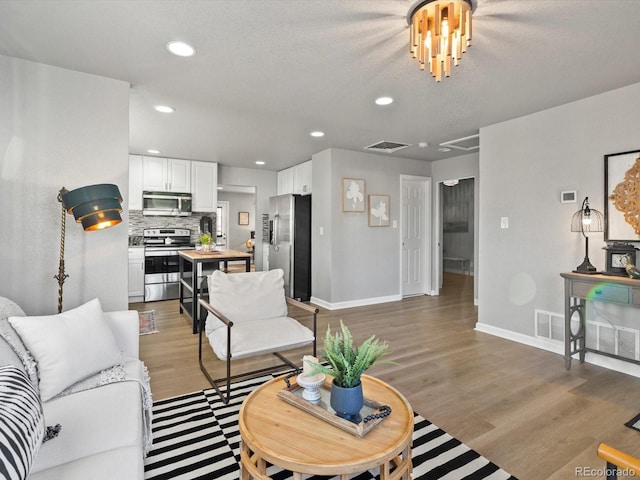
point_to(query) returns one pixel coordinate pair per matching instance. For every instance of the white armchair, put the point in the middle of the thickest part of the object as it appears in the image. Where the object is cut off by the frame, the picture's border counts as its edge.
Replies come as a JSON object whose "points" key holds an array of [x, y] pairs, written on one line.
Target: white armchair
{"points": [[248, 316]]}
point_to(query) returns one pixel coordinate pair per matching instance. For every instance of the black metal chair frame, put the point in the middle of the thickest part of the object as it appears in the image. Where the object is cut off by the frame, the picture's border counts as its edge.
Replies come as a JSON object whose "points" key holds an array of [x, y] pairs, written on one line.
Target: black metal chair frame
{"points": [[215, 383]]}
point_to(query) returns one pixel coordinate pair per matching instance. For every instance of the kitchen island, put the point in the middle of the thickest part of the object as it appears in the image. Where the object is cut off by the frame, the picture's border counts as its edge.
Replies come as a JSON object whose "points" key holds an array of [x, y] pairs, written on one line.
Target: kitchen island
{"points": [[190, 289]]}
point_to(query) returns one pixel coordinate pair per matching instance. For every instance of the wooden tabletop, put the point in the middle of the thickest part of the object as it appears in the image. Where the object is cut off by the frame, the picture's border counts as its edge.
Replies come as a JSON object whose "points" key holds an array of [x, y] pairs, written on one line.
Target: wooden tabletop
{"points": [[297, 441], [214, 254]]}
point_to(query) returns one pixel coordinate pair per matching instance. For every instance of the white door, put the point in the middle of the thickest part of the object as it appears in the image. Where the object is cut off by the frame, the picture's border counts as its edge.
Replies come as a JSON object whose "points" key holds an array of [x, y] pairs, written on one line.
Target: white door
{"points": [[415, 269], [222, 224]]}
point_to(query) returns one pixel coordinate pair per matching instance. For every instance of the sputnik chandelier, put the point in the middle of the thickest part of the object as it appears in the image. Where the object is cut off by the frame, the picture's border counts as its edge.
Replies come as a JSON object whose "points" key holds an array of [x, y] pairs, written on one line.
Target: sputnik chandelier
{"points": [[440, 33]]}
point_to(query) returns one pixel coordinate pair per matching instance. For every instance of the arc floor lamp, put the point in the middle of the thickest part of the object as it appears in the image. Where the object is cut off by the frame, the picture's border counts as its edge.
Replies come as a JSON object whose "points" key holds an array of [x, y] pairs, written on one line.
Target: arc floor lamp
{"points": [[96, 206]]}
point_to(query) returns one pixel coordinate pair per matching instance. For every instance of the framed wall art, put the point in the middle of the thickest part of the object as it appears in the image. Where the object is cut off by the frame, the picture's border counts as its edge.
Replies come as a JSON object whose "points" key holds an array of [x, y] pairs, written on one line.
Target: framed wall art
{"points": [[353, 195], [243, 218], [378, 210], [621, 206]]}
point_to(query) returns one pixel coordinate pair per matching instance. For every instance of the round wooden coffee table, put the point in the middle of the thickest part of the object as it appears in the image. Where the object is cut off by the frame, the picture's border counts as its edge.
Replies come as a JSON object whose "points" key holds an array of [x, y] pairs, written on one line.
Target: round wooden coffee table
{"points": [[282, 434]]}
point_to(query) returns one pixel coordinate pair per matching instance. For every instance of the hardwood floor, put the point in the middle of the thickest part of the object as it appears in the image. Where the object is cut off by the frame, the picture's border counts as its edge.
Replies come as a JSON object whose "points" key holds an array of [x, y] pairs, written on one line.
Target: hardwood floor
{"points": [[514, 404]]}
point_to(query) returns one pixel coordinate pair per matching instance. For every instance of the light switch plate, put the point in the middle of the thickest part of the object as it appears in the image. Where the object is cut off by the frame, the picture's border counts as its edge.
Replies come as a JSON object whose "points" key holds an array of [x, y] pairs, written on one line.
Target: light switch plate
{"points": [[504, 222]]}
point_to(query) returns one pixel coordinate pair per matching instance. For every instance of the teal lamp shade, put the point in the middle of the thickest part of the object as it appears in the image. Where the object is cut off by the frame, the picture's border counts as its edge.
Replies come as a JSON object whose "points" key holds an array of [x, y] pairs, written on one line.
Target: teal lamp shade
{"points": [[95, 206]]}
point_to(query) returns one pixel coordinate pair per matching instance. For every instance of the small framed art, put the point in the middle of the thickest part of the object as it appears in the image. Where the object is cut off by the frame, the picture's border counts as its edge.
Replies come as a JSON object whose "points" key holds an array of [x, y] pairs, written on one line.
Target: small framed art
{"points": [[352, 195], [378, 210], [243, 218]]}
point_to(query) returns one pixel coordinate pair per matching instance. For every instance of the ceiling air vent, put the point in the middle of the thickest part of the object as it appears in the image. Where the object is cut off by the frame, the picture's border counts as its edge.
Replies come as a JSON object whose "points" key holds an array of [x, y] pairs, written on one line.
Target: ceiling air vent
{"points": [[387, 147], [467, 144]]}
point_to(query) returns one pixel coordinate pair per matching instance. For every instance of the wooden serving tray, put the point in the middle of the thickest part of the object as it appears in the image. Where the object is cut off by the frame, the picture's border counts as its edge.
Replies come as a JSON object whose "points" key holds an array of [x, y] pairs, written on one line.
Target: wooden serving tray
{"points": [[323, 410]]}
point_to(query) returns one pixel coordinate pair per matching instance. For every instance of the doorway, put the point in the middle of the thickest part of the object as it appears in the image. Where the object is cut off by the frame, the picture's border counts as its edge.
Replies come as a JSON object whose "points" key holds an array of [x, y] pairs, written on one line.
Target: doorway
{"points": [[415, 231], [457, 228], [222, 224]]}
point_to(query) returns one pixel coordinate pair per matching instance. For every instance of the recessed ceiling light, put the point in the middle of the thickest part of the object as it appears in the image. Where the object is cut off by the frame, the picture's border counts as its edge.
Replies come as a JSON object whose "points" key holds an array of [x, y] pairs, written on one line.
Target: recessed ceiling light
{"points": [[384, 101], [181, 49], [151, 150], [423, 144], [317, 134], [259, 162], [164, 109], [220, 188], [444, 149]]}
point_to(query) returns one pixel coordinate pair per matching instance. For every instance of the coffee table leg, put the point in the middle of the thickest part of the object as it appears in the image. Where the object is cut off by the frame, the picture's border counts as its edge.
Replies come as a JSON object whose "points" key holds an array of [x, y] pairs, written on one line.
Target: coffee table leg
{"points": [[244, 453]]}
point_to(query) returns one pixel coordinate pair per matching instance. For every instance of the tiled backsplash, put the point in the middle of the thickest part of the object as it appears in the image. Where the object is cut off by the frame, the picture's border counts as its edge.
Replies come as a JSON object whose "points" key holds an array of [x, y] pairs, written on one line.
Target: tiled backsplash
{"points": [[138, 222]]}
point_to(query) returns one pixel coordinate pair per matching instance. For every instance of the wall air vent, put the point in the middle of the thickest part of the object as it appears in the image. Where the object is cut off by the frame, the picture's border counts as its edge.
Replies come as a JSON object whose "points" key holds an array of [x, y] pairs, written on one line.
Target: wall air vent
{"points": [[466, 144], [387, 147]]}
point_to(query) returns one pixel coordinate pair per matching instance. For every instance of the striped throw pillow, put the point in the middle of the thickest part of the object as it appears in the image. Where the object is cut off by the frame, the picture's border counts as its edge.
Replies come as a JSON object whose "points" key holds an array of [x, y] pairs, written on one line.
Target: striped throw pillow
{"points": [[21, 423]]}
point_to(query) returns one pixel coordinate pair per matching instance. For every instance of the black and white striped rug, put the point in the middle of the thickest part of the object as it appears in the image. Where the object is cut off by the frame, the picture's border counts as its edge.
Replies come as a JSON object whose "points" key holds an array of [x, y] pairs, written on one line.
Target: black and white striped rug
{"points": [[195, 437]]}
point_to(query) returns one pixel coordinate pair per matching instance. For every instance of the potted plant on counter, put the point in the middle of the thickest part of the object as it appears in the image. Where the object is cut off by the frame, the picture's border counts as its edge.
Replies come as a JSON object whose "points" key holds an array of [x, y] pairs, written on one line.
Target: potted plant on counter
{"points": [[205, 241], [347, 364]]}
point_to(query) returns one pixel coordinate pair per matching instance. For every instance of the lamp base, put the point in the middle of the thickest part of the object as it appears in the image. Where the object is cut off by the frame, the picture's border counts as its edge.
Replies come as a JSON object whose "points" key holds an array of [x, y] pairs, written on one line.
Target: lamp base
{"points": [[586, 268]]}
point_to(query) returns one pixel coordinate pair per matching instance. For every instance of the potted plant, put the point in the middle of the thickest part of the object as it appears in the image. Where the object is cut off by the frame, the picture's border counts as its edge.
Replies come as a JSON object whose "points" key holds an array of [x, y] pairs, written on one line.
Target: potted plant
{"points": [[347, 364], [205, 241]]}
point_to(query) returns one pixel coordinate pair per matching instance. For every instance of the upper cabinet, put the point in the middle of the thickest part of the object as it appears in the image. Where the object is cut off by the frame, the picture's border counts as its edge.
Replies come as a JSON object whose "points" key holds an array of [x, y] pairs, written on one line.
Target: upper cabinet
{"points": [[172, 175], [296, 179], [135, 182], [302, 178], [204, 186], [285, 181], [166, 174]]}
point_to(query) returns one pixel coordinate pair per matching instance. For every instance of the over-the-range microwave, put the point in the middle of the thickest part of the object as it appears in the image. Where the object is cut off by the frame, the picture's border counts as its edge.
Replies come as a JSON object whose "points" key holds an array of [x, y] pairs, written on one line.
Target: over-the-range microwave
{"points": [[166, 204]]}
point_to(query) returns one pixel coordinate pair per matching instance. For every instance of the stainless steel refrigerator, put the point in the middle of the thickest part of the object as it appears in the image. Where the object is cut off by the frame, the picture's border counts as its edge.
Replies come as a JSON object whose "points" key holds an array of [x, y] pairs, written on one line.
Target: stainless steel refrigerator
{"points": [[290, 242]]}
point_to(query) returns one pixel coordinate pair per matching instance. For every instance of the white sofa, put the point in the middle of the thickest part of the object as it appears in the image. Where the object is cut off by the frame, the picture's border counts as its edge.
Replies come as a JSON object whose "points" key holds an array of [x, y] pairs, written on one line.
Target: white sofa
{"points": [[103, 427]]}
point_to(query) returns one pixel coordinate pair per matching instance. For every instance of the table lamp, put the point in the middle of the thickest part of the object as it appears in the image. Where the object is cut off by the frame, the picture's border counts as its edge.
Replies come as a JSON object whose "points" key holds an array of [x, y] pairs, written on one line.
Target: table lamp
{"points": [[587, 220], [96, 206]]}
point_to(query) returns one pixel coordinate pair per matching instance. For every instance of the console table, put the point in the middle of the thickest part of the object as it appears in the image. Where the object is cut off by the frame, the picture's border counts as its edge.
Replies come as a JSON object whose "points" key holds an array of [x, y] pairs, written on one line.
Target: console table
{"points": [[578, 288]]}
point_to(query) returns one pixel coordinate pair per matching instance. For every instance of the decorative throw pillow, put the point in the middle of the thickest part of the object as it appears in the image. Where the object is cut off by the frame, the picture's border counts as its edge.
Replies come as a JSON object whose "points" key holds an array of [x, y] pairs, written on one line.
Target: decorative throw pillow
{"points": [[69, 346], [8, 309], [21, 423]]}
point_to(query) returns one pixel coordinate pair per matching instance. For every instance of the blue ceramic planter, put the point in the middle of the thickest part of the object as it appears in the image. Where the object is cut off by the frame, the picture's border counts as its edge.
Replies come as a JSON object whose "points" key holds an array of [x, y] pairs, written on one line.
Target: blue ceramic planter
{"points": [[347, 402]]}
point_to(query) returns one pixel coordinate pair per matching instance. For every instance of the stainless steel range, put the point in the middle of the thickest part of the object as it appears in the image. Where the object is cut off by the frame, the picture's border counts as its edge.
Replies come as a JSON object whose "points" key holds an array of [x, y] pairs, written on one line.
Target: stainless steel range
{"points": [[161, 265]]}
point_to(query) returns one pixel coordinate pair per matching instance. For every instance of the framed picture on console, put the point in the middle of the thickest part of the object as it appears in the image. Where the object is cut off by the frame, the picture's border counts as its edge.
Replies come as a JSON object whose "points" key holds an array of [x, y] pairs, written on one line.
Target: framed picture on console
{"points": [[621, 187]]}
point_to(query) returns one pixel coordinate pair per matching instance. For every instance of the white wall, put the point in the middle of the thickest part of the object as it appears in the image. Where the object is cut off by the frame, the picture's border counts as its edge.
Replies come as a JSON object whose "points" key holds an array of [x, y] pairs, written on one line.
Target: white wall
{"points": [[59, 128], [265, 182], [239, 202], [524, 165], [353, 263]]}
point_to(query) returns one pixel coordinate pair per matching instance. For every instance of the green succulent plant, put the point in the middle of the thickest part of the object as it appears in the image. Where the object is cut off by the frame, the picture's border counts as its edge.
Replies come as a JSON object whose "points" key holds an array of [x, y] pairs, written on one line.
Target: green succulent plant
{"points": [[205, 238], [346, 363]]}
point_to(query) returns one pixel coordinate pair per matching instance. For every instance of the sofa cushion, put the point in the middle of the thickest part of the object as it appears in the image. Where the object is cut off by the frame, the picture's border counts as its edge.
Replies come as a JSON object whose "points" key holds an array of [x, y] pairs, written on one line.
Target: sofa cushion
{"points": [[246, 296], [256, 337], [69, 346], [21, 423], [93, 421], [124, 463]]}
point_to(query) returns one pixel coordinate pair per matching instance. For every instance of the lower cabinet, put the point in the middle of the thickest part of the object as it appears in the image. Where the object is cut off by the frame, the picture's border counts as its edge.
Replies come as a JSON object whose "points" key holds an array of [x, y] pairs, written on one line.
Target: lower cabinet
{"points": [[136, 274]]}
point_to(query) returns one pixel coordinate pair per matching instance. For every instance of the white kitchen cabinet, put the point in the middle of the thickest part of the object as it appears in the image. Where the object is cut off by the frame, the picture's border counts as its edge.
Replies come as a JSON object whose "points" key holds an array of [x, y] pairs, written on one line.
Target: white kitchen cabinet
{"points": [[296, 179], [302, 178], [204, 186], [135, 182], [285, 181], [136, 274], [166, 174]]}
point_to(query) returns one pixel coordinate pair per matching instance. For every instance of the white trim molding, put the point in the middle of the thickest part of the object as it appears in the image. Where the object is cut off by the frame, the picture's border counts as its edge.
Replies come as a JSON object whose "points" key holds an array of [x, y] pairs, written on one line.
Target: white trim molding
{"points": [[355, 303], [555, 347]]}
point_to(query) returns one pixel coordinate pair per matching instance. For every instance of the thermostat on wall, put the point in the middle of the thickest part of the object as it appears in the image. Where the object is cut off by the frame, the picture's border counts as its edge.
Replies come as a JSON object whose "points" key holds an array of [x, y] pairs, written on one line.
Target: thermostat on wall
{"points": [[568, 196]]}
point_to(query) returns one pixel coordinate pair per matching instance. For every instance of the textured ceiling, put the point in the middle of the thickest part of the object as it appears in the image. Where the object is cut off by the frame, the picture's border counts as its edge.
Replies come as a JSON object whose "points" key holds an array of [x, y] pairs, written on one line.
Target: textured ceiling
{"points": [[267, 72]]}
